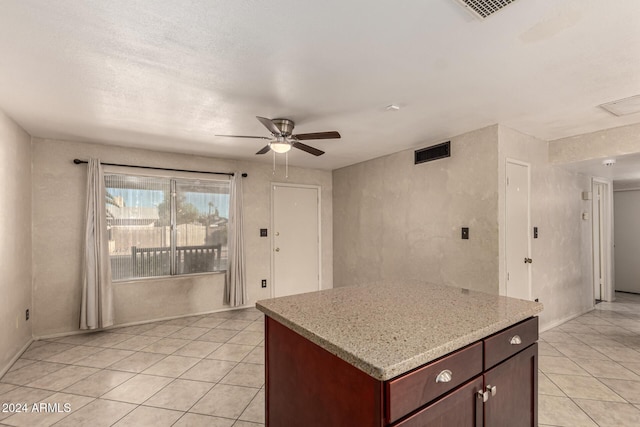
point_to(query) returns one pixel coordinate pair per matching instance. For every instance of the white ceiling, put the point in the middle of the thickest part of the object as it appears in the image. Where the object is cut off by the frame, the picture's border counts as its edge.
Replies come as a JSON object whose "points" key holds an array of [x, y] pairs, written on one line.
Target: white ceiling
{"points": [[168, 75], [625, 171]]}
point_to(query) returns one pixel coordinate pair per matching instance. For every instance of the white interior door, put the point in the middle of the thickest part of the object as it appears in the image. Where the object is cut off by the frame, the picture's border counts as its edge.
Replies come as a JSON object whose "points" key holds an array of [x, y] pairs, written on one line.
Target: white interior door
{"points": [[518, 260], [598, 252], [295, 239]]}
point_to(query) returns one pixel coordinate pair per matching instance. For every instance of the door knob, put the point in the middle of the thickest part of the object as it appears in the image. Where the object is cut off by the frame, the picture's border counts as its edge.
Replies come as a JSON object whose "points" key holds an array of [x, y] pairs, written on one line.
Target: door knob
{"points": [[277, 249], [528, 260]]}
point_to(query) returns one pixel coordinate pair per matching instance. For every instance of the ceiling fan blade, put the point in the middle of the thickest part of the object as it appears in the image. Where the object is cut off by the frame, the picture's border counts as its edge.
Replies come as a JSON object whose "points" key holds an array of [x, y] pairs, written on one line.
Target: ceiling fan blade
{"points": [[269, 125], [308, 149], [244, 136], [264, 150], [317, 135]]}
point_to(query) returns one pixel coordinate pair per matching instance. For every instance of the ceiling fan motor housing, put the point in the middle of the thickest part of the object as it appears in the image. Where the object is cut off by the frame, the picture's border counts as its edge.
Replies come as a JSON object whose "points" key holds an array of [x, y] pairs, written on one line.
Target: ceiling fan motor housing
{"points": [[285, 125]]}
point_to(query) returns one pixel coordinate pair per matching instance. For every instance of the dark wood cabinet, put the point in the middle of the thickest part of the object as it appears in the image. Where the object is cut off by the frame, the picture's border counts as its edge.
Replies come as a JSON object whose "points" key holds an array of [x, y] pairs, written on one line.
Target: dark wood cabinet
{"points": [[421, 386], [461, 407], [490, 383], [515, 403]]}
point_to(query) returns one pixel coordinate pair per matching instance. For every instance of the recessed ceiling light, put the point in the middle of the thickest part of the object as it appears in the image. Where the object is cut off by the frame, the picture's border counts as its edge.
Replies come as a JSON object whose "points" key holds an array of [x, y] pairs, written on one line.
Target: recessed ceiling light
{"points": [[392, 107], [623, 107]]}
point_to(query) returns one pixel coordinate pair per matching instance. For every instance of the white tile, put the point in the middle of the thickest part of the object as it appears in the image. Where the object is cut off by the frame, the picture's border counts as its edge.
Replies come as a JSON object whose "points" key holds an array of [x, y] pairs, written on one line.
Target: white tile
{"points": [[172, 366], [147, 416], [180, 395], [562, 412], [209, 370], [610, 414], [99, 383], [581, 387], [99, 413], [198, 420], [138, 389], [63, 378], [138, 362], [225, 401]]}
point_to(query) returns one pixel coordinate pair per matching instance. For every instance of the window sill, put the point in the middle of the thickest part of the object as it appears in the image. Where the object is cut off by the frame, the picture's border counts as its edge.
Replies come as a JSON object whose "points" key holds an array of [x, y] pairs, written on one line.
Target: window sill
{"points": [[166, 278]]}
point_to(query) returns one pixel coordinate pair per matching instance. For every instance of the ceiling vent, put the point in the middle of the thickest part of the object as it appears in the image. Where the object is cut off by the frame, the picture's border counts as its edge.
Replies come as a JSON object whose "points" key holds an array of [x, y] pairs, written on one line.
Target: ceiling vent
{"points": [[483, 8], [435, 152], [622, 107]]}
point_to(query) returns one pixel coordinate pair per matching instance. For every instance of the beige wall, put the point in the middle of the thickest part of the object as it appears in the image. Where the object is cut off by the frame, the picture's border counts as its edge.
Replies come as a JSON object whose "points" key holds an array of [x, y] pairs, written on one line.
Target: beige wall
{"points": [[15, 229], [59, 194], [561, 268], [396, 220], [596, 145]]}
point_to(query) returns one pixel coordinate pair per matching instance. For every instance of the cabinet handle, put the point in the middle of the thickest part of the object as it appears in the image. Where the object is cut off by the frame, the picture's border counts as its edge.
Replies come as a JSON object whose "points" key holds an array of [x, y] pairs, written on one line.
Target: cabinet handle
{"points": [[515, 340], [491, 389], [444, 376], [484, 395]]}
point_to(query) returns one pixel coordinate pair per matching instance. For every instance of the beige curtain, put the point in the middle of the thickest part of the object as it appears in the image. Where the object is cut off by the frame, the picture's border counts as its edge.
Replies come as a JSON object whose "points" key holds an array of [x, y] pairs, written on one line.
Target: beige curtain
{"points": [[96, 311], [235, 284]]}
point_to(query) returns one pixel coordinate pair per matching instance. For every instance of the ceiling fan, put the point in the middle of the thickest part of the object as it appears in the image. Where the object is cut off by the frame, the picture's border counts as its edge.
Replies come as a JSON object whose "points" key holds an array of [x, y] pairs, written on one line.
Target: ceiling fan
{"points": [[282, 140]]}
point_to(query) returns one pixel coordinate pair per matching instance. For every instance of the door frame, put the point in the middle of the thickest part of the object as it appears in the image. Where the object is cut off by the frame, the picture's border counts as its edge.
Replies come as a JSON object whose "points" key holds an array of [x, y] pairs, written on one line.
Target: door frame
{"points": [[606, 243], [503, 288], [272, 222]]}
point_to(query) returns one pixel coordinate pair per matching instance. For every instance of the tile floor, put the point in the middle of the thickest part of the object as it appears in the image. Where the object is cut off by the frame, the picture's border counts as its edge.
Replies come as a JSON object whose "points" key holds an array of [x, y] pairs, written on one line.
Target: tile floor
{"points": [[196, 371], [209, 371], [590, 368]]}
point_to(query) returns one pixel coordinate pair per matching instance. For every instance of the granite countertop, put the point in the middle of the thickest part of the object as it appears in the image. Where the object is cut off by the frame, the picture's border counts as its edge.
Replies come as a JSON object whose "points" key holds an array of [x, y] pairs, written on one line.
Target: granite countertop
{"points": [[387, 330]]}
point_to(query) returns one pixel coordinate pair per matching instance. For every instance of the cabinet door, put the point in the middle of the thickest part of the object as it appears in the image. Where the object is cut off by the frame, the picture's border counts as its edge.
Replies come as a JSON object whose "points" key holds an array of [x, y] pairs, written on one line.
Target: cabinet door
{"points": [[515, 402], [460, 408]]}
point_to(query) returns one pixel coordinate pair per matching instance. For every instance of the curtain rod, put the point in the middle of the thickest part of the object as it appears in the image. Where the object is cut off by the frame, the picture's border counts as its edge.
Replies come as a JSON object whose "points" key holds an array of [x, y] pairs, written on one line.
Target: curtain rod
{"points": [[244, 175]]}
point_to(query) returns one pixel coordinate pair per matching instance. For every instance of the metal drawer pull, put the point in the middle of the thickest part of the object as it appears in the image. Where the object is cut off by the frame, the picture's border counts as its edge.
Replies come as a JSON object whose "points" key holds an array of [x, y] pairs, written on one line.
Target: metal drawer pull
{"points": [[444, 376], [491, 389], [515, 340], [483, 395]]}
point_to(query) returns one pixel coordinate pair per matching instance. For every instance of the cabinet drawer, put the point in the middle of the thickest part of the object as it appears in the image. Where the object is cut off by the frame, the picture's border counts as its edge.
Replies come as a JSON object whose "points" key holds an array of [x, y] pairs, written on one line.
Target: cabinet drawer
{"points": [[508, 342], [459, 408], [416, 388]]}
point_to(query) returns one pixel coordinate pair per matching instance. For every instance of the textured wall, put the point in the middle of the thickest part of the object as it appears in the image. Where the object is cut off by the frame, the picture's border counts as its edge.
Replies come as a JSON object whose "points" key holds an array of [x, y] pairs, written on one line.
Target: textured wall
{"points": [[606, 143], [15, 229], [562, 267], [59, 197], [396, 220]]}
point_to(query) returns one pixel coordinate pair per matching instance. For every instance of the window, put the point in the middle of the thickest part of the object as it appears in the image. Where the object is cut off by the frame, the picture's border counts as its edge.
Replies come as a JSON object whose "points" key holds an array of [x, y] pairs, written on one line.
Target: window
{"points": [[162, 226]]}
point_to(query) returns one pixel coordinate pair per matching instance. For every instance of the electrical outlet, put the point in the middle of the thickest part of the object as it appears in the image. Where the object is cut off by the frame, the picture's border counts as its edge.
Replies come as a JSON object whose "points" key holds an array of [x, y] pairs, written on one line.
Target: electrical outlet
{"points": [[264, 283], [27, 314], [465, 233]]}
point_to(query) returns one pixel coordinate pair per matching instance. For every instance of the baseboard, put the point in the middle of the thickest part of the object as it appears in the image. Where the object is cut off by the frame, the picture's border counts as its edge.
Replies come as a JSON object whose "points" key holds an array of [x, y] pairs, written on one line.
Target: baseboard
{"points": [[13, 360], [139, 322], [564, 320]]}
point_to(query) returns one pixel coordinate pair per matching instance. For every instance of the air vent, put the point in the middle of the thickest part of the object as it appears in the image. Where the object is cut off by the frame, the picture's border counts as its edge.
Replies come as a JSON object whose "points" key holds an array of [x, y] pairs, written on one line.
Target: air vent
{"points": [[435, 152], [483, 8]]}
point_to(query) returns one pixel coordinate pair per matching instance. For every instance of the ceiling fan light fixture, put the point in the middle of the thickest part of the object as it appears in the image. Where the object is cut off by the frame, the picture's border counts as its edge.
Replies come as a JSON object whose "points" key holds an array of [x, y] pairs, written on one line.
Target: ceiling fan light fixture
{"points": [[280, 145]]}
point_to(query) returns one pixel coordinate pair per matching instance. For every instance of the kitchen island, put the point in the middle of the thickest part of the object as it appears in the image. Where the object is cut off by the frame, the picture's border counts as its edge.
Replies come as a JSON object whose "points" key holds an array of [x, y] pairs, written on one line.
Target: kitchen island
{"points": [[400, 354]]}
